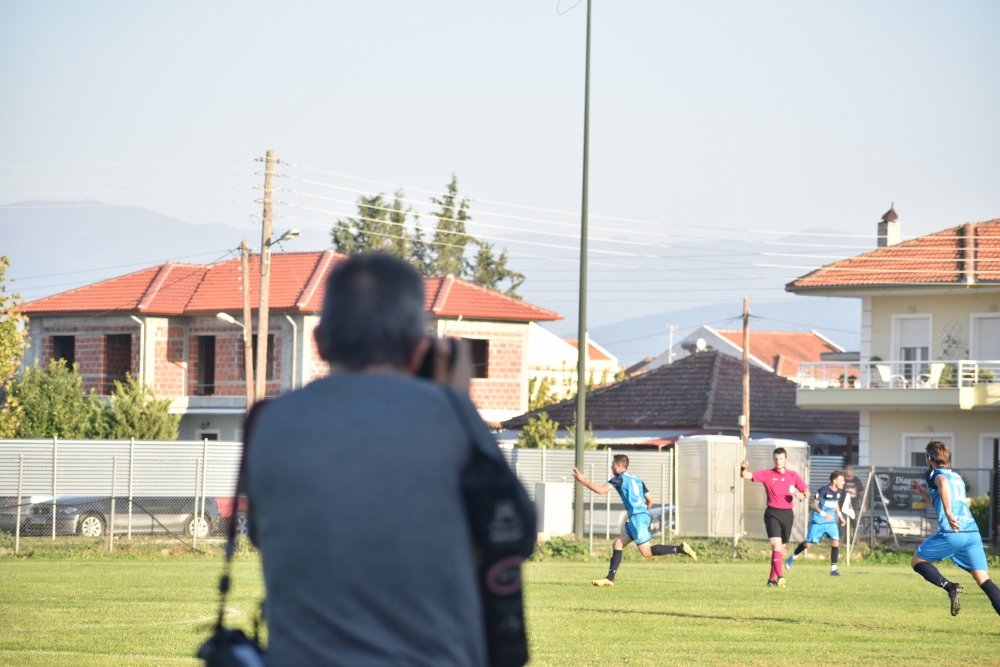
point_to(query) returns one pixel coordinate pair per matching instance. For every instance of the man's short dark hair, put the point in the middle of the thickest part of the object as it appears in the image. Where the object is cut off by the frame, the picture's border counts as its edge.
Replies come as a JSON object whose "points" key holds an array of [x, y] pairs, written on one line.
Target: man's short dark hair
{"points": [[373, 312], [835, 474], [621, 459], [780, 450]]}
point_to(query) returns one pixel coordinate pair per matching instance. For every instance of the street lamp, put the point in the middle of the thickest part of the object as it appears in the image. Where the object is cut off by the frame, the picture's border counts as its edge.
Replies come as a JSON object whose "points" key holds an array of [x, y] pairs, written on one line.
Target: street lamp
{"points": [[287, 236], [247, 353], [263, 306]]}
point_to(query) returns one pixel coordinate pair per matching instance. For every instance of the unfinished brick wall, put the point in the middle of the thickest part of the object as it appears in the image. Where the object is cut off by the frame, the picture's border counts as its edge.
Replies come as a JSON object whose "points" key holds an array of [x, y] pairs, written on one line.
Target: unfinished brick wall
{"points": [[91, 352], [505, 386], [170, 364]]}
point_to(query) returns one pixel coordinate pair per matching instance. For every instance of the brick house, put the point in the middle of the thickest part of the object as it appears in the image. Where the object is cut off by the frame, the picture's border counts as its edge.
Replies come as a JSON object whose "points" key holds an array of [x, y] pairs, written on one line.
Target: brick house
{"points": [[929, 363], [161, 325]]}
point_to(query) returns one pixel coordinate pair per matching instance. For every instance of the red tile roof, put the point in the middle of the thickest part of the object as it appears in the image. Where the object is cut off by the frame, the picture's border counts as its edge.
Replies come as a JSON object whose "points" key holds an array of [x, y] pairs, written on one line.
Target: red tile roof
{"points": [[298, 281], [782, 350], [968, 254], [450, 297], [593, 353]]}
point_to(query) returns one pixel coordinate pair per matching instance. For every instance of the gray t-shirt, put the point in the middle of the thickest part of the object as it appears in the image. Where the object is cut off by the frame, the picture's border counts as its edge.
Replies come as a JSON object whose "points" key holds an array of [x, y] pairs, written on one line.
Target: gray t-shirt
{"points": [[355, 506]]}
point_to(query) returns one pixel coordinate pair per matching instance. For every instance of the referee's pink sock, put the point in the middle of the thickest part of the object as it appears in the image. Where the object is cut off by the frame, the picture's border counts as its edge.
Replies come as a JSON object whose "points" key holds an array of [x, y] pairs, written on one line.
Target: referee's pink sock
{"points": [[777, 567]]}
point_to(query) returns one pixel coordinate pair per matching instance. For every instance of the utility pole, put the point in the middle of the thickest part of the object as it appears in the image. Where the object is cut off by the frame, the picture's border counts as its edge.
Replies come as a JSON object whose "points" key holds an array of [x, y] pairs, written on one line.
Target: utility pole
{"points": [[247, 325], [670, 343], [583, 346], [265, 276]]}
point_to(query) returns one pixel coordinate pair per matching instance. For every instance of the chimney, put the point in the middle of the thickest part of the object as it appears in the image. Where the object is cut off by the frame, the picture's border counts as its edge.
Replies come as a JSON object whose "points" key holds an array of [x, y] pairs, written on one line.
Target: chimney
{"points": [[967, 248], [888, 229]]}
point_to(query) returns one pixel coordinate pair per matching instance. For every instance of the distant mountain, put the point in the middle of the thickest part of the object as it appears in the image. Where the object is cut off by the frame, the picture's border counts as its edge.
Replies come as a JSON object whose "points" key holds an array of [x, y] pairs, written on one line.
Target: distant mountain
{"points": [[56, 246], [633, 339]]}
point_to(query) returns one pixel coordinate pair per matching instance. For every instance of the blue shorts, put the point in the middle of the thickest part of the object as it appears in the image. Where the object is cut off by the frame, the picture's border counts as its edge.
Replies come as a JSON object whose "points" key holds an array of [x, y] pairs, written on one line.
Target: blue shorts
{"points": [[817, 531], [637, 528], [965, 549]]}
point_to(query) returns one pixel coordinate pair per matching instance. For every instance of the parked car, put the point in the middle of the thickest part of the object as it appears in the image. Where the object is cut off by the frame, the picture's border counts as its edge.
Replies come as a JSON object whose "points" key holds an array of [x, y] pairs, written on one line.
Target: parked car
{"points": [[228, 513], [91, 516]]}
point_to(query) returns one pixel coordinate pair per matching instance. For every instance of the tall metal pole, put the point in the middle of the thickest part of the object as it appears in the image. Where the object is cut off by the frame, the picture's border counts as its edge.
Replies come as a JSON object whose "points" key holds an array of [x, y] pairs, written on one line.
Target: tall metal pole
{"points": [[582, 343], [265, 277], [247, 325]]}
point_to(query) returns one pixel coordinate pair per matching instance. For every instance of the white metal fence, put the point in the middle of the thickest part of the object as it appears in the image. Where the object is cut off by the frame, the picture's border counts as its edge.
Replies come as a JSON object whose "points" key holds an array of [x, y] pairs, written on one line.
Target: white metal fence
{"points": [[184, 488], [108, 488], [103, 488]]}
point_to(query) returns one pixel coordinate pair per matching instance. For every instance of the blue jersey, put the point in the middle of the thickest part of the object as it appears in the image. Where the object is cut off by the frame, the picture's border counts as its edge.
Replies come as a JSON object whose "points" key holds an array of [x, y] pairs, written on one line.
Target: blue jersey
{"points": [[632, 491], [959, 500], [829, 501]]}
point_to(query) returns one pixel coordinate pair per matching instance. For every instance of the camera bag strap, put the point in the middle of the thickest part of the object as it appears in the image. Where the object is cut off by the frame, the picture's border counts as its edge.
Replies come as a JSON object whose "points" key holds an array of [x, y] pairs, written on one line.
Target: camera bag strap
{"points": [[502, 524]]}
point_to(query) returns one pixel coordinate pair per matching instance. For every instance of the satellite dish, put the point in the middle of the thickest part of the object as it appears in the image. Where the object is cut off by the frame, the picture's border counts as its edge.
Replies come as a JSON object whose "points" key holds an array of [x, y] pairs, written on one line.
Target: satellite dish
{"points": [[700, 345]]}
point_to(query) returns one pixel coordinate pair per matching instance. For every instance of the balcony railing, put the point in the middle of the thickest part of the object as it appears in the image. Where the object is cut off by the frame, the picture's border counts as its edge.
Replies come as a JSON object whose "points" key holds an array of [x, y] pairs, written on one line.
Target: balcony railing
{"points": [[897, 374]]}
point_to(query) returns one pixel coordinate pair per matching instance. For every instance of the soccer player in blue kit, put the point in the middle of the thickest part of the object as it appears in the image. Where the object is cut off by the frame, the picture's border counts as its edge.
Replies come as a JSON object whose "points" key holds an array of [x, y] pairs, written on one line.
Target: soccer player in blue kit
{"points": [[637, 500], [824, 520], [957, 536]]}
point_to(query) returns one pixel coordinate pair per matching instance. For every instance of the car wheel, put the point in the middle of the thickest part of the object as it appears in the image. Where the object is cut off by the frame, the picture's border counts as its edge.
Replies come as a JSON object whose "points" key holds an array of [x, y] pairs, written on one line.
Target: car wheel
{"points": [[198, 527], [92, 525], [241, 523]]}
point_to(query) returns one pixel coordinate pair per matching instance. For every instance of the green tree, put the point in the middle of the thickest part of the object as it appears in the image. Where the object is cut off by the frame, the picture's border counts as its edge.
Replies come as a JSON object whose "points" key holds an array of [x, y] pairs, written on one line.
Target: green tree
{"points": [[378, 226], [541, 393], [490, 270], [450, 237], [134, 412], [383, 226], [12, 343], [540, 431], [589, 439], [50, 402], [420, 253]]}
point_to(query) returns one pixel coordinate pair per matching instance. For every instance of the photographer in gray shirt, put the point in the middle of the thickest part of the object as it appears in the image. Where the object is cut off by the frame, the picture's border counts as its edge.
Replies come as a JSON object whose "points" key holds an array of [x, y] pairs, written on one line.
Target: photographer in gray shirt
{"points": [[355, 485]]}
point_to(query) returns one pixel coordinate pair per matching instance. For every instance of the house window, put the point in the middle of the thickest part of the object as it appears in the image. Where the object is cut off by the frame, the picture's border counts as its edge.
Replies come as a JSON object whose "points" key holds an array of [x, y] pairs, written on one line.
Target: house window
{"points": [[64, 347], [205, 384], [269, 371], [117, 359], [480, 349], [984, 344], [912, 338]]}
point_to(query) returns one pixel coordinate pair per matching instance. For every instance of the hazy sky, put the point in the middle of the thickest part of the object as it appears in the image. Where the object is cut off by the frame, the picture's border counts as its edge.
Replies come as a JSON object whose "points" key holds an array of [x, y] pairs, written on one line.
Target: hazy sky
{"points": [[718, 129]]}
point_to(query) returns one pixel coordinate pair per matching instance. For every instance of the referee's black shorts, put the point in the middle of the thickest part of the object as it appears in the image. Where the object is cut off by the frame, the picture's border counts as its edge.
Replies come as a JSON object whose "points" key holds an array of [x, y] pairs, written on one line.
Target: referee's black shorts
{"points": [[778, 523]]}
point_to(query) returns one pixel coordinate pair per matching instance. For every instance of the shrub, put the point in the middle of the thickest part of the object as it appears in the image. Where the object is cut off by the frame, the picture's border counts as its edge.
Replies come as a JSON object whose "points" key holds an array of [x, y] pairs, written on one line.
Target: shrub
{"points": [[981, 512], [560, 547]]}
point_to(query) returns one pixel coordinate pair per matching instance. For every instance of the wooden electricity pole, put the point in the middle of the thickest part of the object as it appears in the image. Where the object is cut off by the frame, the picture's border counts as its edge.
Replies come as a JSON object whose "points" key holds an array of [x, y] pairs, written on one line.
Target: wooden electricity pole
{"points": [[247, 325], [265, 276]]}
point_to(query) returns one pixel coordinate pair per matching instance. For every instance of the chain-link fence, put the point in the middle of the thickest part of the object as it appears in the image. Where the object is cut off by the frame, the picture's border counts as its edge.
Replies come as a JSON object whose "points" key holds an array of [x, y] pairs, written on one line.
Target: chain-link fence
{"points": [[109, 489], [114, 489], [183, 489]]}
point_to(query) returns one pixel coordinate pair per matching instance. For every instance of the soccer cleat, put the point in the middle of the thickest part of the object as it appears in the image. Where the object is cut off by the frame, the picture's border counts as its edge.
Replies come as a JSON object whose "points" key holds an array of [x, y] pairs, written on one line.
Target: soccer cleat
{"points": [[955, 595], [772, 583], [688, 551], [603, 583], [781, 582], [834, 573], [788, 563]]}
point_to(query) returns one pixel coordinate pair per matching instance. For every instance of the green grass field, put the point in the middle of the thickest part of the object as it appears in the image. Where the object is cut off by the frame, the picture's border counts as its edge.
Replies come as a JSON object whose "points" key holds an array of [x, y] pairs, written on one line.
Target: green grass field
{"points": [[86, 609]]}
